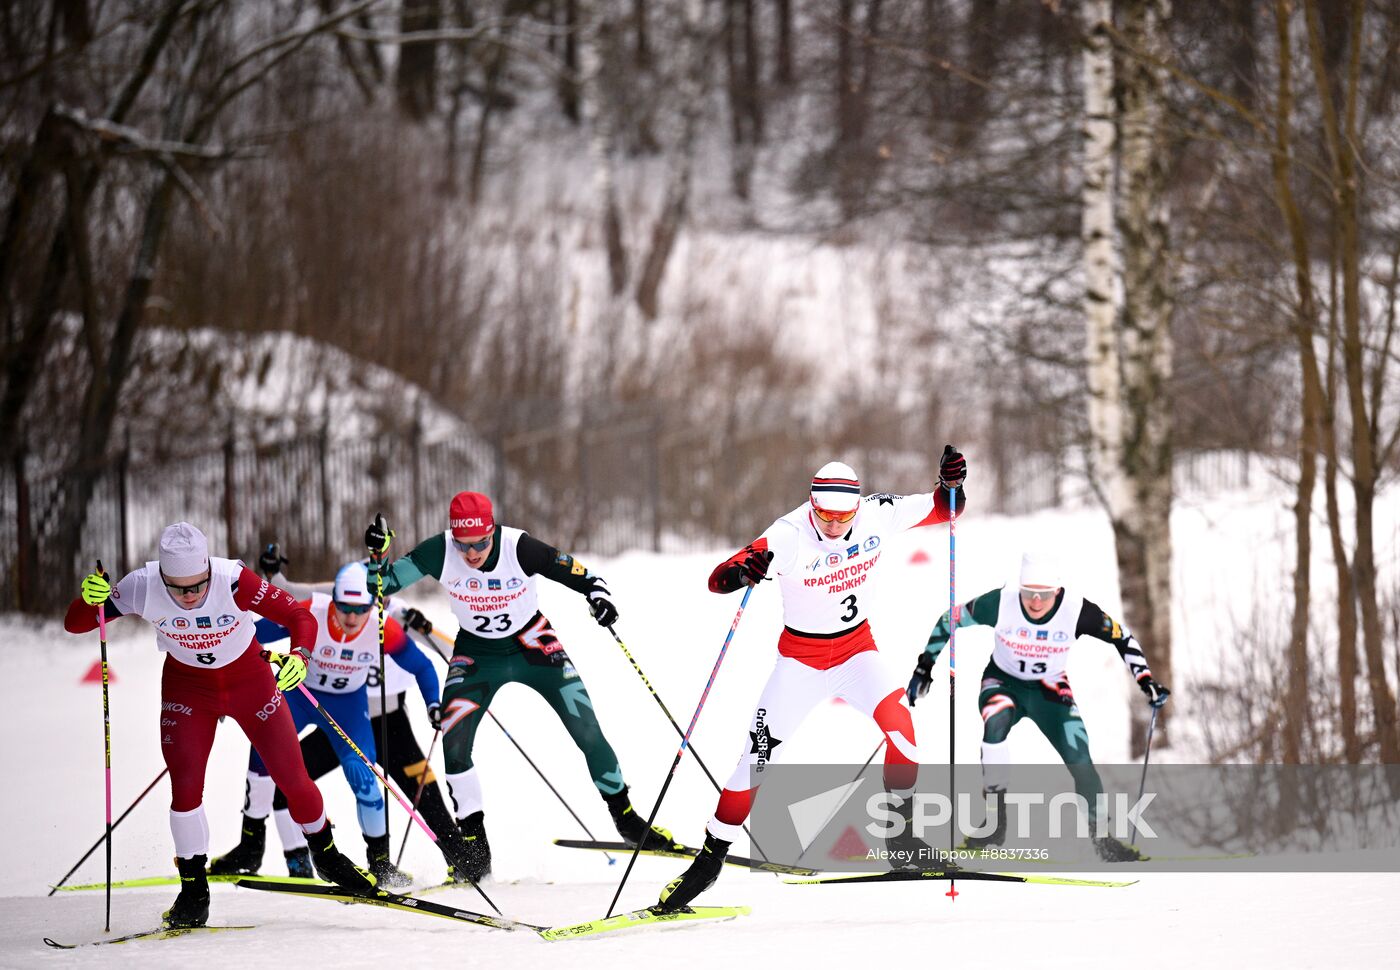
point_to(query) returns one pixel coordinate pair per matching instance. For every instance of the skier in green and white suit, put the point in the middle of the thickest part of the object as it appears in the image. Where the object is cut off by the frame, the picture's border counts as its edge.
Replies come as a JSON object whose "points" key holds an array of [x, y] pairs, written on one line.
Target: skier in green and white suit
{"points": [[489, 572], [1035, 626]]}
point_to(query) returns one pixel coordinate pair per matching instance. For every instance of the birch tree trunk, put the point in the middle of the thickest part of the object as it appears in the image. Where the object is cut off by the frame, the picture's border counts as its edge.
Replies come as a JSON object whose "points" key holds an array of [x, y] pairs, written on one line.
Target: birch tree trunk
{"points": [[1102, 296]]}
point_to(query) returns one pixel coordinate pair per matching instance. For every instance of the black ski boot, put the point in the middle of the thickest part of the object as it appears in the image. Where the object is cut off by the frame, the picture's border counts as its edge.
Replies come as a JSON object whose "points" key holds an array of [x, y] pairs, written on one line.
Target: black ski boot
{"points": [[700, 876], [633, 828], [1111, 850], [473, 852], [244, 859], [332, 865], [385, 873], [299, 863], [191, 907], [996, 806], [906, 850]]}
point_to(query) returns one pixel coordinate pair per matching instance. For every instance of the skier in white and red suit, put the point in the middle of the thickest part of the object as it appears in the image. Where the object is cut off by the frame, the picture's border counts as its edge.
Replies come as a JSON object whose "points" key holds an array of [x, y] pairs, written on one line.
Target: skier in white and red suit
{"points": [[204, 609], [823, 554]]}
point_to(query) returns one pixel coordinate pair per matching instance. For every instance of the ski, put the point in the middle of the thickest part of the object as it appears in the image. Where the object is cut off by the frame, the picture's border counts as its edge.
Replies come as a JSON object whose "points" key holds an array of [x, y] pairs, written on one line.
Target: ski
{"points": [[643, 917], [410, 904], [688, 852], [161, 933], [971, 875], [1006, 859], [175, 881]]}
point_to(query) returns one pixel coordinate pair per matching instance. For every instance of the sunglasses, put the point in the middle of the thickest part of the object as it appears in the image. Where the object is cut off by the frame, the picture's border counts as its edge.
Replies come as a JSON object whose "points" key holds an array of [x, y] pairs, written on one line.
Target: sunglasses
{"points": [[472, 546], [1037, 591], [193, 590], [842, 517], [354, 609]]}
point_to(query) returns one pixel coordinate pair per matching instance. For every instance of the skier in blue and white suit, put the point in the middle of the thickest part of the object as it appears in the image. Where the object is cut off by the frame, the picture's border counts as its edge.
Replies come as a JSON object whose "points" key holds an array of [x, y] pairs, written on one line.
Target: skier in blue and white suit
{"points": [[346, 650]]}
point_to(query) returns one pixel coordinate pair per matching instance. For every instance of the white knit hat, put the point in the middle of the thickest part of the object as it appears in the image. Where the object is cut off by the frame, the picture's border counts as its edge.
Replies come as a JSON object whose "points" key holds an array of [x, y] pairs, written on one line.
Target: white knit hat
{"points": [[835, 487], [352, 585], [183, 550], [1040, 569]]}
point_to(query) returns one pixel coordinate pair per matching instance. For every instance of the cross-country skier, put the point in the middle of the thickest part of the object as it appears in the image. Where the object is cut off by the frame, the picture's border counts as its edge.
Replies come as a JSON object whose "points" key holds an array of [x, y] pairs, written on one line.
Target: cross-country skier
{"points": [[1035, 624], [490, 573], [346, 650], [203, 611], [823, 554]]}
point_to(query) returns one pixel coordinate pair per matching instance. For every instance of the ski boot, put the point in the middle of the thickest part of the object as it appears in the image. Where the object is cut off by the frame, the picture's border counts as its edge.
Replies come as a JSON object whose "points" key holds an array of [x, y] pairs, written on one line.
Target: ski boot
{"points": [[244, 859], [633, 828], [996, 807], [700, 876], [332, 865], [907, 850], [191, 907], [473, 855], [1111, 850], [299, 863], [385, 873]]}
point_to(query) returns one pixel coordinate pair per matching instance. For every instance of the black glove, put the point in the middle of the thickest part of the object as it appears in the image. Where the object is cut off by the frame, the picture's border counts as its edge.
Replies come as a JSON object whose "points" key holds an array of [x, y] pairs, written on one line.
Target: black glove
{"points": [[377, 538], [435, 716], [271, 561], [1156, 694], [603, 610], [415, 620], [1062, 692], [923, 676], [952, 470], [753, 568]]}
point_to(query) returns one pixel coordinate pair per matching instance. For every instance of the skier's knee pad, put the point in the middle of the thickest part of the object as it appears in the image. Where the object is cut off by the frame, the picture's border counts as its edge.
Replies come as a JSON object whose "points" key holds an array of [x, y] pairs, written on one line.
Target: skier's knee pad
{"points": [[996, 727]]}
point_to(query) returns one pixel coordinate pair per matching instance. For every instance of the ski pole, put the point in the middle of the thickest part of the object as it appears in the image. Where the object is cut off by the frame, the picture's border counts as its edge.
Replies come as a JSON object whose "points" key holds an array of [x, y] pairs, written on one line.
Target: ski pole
{"points": [[1146, 755], [956, 615], [664, 710], [104, 838], [383, 678], [685, 741], [381, 776], [878, 746], [492, 714], [418, 795], [106, 744]]}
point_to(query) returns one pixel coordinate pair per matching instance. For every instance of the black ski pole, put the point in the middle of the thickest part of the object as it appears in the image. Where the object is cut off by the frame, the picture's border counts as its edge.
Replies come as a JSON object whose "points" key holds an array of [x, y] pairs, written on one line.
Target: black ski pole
{"points": [[1146, 755], [103, 837], [664, 710], [528, 760], [381, 555], [680, 752], [106, 744]]}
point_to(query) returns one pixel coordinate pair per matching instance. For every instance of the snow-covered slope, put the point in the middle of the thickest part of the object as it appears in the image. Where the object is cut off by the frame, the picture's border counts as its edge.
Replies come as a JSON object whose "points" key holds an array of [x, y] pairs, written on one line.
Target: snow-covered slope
{"points": [[52, 812]]}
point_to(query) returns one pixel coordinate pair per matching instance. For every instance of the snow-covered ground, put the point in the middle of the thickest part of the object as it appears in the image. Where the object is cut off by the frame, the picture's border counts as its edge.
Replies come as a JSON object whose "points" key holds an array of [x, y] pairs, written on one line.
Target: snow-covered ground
{"points": [[1227, 549]]}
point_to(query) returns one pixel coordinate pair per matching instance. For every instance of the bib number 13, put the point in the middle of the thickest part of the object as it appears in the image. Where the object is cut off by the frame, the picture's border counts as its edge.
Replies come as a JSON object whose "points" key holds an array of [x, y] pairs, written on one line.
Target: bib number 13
{"points": [[852, 610]]}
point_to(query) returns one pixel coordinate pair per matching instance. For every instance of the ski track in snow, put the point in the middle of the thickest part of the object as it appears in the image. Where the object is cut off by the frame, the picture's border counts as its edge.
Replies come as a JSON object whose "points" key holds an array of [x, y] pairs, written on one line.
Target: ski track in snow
{"points": [[54, 808]]}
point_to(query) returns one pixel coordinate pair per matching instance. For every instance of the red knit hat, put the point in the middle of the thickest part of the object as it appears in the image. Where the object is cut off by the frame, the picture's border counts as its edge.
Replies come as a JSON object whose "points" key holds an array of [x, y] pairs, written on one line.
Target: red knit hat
{"points": [[471, 515]]}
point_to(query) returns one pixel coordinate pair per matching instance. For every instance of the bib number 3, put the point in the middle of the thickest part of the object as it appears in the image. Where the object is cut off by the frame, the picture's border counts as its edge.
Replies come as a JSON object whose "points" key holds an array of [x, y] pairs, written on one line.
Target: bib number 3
{"points": [[852, 610]]}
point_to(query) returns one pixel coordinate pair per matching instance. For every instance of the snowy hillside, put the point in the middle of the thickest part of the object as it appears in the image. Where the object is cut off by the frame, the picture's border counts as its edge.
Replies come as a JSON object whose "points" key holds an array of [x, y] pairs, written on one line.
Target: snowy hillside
{"points": [[1227, 548]]}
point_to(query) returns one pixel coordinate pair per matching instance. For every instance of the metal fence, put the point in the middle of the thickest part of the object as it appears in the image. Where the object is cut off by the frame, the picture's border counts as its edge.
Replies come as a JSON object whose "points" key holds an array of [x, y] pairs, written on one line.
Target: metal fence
{"points": [[603, 488]]}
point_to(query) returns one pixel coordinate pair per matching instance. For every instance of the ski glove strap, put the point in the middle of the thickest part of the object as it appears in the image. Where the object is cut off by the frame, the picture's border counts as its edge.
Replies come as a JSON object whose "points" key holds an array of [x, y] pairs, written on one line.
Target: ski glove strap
{"points": [[1156, 694], [291, 670], [96, 589]]}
